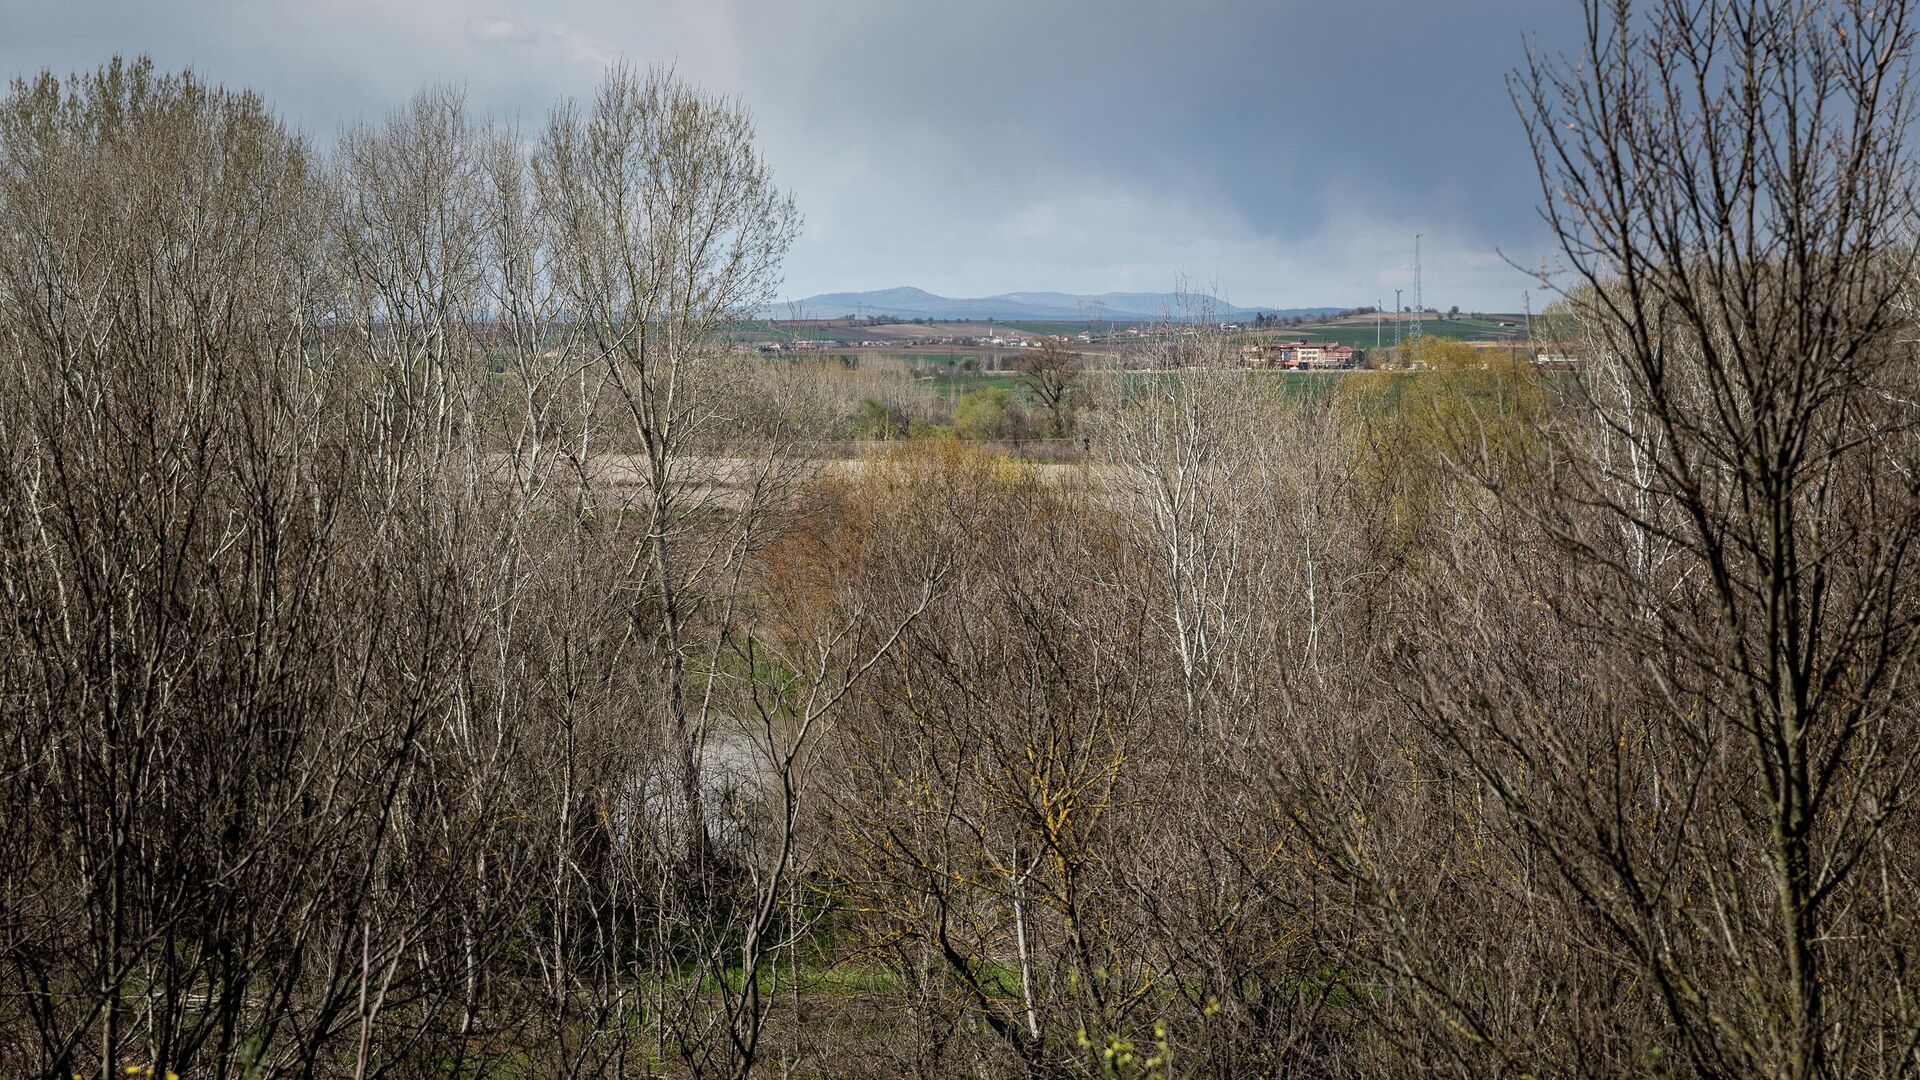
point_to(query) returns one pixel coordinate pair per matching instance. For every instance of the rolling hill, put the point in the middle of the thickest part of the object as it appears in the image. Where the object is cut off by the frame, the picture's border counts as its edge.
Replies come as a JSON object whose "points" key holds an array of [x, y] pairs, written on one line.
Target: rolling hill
{"points": [[911, 303]]}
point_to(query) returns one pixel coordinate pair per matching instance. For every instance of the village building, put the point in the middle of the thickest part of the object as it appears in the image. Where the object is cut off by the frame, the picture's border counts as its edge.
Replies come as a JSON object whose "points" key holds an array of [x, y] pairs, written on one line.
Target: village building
{"points": [[1300, 355]]}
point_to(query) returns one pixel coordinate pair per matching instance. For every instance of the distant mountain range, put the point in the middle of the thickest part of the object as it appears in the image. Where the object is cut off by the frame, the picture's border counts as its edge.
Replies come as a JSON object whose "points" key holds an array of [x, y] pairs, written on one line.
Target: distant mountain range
{"points": [[911, 303]]}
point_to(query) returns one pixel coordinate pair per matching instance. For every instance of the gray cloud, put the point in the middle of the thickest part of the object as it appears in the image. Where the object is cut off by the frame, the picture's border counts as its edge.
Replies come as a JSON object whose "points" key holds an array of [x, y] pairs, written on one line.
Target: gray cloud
{"points": [[1282, 151], [503, 31]]}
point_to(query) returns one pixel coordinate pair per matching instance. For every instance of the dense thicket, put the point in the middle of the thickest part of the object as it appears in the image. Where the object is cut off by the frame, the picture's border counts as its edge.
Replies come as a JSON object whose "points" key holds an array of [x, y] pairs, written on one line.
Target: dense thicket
{"points": [[425, 649]]}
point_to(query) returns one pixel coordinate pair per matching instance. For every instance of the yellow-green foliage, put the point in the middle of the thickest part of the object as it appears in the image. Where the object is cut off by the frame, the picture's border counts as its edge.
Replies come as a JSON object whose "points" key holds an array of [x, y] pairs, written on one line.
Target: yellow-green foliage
{"points": [[982, 414], [1462, 417]]}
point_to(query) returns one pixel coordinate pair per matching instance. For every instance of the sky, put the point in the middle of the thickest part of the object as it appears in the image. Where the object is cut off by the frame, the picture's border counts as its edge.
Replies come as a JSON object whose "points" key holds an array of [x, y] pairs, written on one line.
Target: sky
{"points": [[1272, 152]]}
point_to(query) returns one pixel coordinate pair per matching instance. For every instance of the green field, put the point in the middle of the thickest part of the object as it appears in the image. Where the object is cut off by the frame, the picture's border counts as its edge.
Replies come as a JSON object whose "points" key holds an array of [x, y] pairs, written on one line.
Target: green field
{"points": [[948, 386], [916, 358], [814, 333], [1078, 327], [1362, 335]]}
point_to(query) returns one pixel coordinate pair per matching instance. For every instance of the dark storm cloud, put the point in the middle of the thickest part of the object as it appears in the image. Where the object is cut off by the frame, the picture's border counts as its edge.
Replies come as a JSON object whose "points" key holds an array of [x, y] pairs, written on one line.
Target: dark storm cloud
{"points": [[1282, 152]]}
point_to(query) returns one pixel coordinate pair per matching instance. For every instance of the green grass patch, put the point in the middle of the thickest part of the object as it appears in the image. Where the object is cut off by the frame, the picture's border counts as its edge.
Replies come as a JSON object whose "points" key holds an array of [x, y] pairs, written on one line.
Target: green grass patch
{"points": [[950, 386]]}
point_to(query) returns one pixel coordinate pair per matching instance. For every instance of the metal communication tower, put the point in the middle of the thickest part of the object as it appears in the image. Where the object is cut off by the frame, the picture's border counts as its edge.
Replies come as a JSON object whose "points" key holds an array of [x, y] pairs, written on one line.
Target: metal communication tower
{"points": [[1397, 320], [1419, 298]]}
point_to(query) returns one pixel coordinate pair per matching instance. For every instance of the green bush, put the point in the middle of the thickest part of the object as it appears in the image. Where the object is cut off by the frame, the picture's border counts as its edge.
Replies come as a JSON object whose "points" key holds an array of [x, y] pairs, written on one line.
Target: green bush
{"points": [[982, 414], [872, 420]]}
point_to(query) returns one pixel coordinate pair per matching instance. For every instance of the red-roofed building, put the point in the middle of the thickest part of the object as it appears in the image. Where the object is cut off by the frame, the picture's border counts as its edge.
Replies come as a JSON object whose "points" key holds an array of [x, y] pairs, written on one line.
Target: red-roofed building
{"points": [[1300, 355]]}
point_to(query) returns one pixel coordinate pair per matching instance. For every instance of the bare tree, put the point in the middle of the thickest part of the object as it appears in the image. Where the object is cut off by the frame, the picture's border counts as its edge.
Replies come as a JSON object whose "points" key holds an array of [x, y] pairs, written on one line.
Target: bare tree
{"points": [[1718, 765], [428, 646], [1048, 376], [221, 694], [666, 226]]}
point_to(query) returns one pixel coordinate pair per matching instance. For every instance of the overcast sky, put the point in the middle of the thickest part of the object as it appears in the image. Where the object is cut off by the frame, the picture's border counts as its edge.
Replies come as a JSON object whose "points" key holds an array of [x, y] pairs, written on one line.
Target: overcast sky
{"points": [[1283, 152]]}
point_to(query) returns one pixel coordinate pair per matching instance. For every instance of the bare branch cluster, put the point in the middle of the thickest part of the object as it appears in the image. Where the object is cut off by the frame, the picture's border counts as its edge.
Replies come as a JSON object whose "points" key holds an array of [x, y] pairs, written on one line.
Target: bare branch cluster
{"points": [[428, 648]]}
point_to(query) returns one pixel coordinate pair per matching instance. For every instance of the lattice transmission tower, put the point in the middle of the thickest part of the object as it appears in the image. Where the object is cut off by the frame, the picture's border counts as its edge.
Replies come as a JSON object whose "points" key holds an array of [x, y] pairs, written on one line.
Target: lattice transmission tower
{"points": [[1419, 298]]}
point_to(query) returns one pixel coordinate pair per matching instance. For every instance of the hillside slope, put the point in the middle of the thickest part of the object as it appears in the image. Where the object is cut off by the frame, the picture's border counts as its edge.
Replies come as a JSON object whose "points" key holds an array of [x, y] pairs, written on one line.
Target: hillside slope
{"points": [[910, 303]]}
